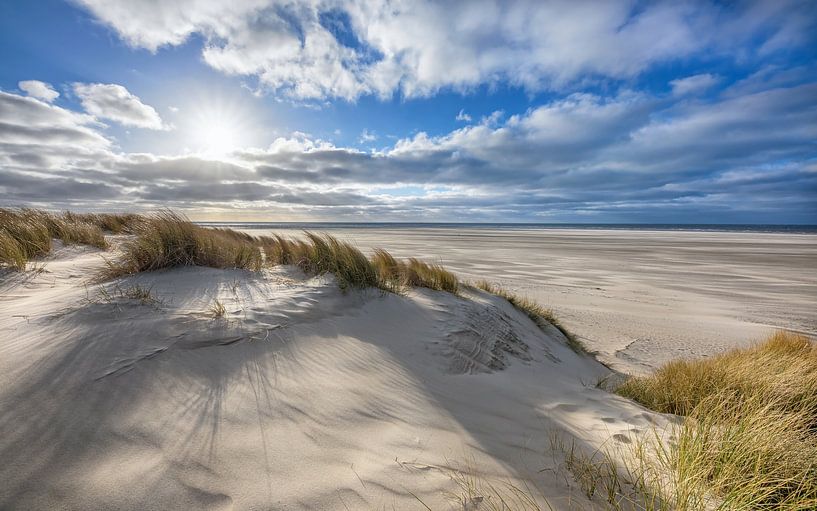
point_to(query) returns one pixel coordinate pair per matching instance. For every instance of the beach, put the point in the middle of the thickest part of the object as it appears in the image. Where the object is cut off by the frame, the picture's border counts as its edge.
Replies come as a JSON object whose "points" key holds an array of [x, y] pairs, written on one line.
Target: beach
{"points": [[278, 386], [636, 297]]}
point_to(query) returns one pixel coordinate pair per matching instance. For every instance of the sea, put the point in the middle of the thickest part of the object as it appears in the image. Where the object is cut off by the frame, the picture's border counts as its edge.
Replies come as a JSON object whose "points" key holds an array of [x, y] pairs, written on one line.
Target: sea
{"points": [[319, 226]]}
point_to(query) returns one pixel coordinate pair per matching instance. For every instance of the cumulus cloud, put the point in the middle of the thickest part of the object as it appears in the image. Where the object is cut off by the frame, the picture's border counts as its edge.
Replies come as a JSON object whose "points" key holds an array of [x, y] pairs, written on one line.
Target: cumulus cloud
{"points": [[39, 90], [316, 49], [693, 84], [367, 136], [115, 102], [462, 116], [40, 136], [578, 156]]}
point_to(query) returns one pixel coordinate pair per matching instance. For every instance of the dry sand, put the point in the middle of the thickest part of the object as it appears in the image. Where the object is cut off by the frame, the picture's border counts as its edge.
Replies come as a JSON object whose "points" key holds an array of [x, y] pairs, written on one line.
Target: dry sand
{"points": [[304, 397], [638, 298]]}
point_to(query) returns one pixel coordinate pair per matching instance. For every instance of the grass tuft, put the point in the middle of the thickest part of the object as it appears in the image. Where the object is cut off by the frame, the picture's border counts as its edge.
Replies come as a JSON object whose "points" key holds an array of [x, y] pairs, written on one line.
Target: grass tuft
{"points": [[323, 253], [114, 223], [395, 275], [542, 316], [217, 309], [326, 254], [749, 437], [168, 239], [27, 233]]}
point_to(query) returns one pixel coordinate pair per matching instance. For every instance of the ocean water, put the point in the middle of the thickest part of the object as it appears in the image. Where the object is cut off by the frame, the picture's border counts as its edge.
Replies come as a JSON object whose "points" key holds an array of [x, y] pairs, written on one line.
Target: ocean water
{"points": [[320, 226]]}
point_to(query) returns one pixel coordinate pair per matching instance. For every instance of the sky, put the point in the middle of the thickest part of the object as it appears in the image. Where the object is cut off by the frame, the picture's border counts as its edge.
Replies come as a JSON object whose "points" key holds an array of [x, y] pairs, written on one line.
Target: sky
{"points": [[615, 111]]}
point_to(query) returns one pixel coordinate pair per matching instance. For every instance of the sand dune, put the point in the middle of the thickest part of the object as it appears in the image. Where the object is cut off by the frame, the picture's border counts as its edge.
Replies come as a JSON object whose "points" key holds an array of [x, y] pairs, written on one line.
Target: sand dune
{"points": [[301, 397], [638, 298]]}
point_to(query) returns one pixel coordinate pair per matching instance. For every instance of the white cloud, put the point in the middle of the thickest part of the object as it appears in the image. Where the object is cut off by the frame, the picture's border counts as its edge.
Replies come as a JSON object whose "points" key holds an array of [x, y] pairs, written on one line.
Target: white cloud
{"points": [[582, 154], [367, 136], [462, 116], [693, 84], [39, 90], [317, 49], [115, 102]]}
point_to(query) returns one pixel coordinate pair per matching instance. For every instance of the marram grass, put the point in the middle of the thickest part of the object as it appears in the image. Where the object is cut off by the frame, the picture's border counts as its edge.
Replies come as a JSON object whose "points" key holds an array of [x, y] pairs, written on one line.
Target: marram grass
{"points": [[26, 234], [168, 239], [749, 434]]}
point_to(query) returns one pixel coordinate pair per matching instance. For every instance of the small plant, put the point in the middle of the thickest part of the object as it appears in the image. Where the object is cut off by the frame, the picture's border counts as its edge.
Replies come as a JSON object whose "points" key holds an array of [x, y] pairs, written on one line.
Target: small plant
{"points": [[144, 295], [217, 309]]}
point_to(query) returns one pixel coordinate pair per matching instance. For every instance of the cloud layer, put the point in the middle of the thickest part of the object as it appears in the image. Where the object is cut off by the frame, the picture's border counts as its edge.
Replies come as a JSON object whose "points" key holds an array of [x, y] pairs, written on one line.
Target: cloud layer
{"points": [[319, 49], [744, 155]]}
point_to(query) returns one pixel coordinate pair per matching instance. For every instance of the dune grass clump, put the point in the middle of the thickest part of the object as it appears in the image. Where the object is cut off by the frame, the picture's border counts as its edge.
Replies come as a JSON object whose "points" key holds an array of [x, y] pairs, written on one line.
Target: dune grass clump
{"points": [[168, 239], [542, 316], [433, 276], [323, 253], [749, 437], [27, 233], [326, 254], [114, 223], [395, 275]]}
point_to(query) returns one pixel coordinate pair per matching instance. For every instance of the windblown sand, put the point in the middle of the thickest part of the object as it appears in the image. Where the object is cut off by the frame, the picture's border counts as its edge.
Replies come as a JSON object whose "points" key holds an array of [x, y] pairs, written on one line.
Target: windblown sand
{"points": [[305, 397], [301, 397], [638, 298]]}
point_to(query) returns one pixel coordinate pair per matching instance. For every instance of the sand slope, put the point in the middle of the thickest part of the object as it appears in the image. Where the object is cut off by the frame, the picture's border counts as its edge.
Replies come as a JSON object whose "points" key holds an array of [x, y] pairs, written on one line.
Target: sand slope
{"points": [[637, 297], [302, 397]]}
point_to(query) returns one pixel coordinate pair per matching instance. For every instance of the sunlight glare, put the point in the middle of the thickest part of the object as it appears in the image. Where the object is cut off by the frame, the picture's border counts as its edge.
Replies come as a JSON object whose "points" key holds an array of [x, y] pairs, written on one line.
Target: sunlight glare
{"points": [[218, 127]]}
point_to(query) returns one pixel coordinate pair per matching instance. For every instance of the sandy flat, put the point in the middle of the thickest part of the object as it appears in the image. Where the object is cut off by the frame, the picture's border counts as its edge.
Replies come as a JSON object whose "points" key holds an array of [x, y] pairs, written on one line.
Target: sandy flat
{"points": [[639, 298]]}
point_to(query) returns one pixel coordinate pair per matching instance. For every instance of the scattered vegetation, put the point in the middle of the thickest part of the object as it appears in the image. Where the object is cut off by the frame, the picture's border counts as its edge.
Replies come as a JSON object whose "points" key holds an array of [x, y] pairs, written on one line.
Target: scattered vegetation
{"points": [[323, 253], [168, 239], [749, 437], [141, 294], [479, 493], [540, 315], [28, 233], [217, 309]]}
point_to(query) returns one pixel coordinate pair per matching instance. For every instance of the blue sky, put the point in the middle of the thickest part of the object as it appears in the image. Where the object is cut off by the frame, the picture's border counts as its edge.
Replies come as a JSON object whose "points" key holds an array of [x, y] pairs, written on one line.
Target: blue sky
{"points": [[619, 111]]}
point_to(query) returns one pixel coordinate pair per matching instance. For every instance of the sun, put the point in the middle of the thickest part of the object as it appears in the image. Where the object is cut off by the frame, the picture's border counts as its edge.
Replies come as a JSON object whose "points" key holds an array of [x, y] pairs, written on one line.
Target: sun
{"points": [[216, 138], [218, 126]]}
